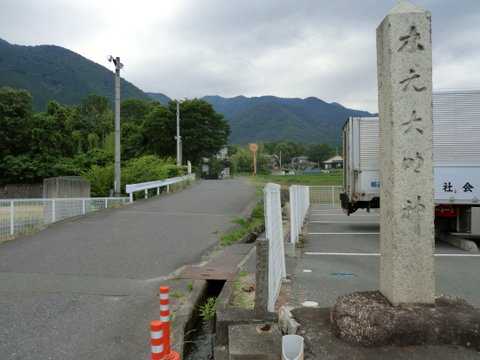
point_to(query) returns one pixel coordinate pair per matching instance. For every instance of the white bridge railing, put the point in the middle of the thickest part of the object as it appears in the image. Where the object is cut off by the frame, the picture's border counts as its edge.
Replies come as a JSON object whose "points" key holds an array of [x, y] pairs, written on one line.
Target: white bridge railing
{"points": [[299, 204], [22, 215], [145, 186], [274, 234]]}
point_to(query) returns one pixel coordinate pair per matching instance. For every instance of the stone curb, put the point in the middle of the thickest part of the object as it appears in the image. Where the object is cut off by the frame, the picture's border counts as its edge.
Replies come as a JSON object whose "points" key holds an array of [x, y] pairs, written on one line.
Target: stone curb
{"points": [[457, 241], [184, 319]]}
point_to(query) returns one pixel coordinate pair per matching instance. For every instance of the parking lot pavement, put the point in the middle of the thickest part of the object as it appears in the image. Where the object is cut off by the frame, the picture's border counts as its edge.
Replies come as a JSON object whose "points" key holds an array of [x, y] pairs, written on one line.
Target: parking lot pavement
{"points": [[342, 255]]}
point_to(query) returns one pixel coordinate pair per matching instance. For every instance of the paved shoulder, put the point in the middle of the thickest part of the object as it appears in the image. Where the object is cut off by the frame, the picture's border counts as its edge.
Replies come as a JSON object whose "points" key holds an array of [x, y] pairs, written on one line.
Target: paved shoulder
{"points": [[87, 287], [144, 240]]}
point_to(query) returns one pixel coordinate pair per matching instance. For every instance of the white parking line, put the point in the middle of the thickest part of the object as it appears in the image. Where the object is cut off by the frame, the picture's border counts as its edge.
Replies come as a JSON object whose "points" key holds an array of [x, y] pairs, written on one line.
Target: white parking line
{"points": [[343, 215], [343, 233], [378, 254], [457, 255], [340, 222], [340, 254]]}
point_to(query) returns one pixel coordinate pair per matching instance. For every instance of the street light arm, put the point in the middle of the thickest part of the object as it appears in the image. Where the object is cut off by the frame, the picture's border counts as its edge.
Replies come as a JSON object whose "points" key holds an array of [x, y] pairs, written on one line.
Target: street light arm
{"points": [[116, 62]]}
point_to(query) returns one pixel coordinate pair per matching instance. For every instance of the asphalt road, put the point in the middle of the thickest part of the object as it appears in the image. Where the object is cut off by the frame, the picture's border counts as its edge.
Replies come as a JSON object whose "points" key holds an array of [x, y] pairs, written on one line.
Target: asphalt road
{"points": [[341, 256], [86, 288]]}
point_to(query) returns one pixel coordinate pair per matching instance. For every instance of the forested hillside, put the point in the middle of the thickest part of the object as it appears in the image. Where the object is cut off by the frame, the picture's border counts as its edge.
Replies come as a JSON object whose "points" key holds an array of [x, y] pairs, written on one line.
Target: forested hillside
{"points": [[270, 118], [51, 72]]}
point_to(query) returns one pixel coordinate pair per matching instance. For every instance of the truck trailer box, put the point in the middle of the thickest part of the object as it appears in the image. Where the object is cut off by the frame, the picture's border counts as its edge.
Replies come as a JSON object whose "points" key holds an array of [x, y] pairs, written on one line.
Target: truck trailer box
{"points": [[456, 152]]}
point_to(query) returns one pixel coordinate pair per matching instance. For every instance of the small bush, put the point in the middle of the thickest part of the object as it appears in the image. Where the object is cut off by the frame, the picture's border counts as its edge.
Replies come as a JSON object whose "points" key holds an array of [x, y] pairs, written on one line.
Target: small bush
{"points": [[101, 179], [142, 169], [208, 310]]}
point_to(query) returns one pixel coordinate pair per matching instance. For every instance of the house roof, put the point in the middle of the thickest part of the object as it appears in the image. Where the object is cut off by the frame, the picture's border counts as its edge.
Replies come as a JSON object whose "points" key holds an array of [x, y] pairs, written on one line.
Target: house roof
{"points": [[334, 159]]}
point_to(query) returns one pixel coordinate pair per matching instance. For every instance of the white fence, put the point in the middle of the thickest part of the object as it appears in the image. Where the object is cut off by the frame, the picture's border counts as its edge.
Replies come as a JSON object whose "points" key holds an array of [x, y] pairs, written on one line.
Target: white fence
{"points": [[327, 195], [145, 186], [21, 215], [274, 234], [299, 204]]}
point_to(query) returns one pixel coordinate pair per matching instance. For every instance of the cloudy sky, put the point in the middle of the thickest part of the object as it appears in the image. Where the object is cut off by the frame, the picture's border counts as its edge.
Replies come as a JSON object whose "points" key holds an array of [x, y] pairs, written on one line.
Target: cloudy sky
{"points": [[286, 48]]}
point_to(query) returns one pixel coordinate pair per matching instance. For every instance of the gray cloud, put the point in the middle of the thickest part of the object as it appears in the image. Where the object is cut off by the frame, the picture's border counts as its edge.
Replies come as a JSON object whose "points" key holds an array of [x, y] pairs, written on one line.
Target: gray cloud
{"points": [[190, 48]]}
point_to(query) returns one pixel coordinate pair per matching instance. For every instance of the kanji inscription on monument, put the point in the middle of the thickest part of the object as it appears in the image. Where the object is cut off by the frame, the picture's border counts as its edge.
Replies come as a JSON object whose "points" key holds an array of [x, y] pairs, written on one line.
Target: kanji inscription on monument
{"points": [[404, 62]]}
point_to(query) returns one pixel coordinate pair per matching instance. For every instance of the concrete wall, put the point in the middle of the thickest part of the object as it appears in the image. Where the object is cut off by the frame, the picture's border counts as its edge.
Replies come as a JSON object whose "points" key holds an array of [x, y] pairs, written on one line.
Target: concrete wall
{"points": [[66, 187]]}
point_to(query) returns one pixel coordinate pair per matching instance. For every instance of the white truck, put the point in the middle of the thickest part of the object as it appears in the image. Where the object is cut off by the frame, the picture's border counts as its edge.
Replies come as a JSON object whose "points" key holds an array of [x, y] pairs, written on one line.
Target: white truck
{"points": [[456, 138]]}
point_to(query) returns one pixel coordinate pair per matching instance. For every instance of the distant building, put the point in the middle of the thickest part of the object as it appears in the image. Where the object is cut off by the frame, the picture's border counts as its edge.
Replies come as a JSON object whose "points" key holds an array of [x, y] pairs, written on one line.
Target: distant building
{"points": [[272, 161], [335, 162], [301, 162], [219, 169], [222, 153]]}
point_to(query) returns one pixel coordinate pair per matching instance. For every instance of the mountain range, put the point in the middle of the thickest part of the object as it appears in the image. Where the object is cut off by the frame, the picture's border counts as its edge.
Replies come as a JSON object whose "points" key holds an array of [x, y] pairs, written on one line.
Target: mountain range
{"points": [[270, 118], [51, 72], [54, 73]]}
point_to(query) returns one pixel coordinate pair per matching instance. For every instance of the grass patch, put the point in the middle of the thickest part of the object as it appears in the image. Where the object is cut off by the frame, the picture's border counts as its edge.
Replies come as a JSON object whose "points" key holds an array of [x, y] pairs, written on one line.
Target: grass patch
{"points": [[242, 273], [232, 236], [302, 241], [308, 179], [252, 224], [243, 295], [177, 294], [242, 222]]}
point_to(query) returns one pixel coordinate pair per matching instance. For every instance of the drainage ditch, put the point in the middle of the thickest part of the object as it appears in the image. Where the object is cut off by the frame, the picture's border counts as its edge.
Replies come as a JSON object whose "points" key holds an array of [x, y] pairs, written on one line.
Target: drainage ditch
{"points": [[199, 338]]}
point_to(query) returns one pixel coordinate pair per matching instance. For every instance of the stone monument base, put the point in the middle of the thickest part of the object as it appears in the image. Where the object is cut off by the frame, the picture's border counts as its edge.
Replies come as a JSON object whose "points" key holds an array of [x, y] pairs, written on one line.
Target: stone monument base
{"points": [[368, 319]]}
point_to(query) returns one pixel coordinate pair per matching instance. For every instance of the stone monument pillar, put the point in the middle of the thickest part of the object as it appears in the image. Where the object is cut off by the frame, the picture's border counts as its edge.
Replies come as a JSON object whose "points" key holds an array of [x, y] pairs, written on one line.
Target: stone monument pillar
{"points": [[404, 63]]}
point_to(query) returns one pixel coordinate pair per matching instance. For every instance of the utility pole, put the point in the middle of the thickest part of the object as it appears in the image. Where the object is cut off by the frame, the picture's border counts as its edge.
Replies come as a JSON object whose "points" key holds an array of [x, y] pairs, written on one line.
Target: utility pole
{"points": [[178, 137], [118, 67]]}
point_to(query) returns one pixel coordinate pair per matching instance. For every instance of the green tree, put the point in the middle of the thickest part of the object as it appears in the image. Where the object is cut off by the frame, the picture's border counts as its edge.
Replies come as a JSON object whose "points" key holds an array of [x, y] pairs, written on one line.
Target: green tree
{"points": [[243, 161], [158, 131], [15, 114], [76, 127], [98, 116], [132, 141], [320, 152], [46, 135], [204, 131], [134, 111], [133, 114], [286, 150]]}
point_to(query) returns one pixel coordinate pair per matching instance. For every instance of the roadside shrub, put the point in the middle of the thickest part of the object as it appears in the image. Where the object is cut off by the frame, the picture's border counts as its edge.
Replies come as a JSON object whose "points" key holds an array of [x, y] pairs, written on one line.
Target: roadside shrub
{"points": [[101, 179], [142, 169]]}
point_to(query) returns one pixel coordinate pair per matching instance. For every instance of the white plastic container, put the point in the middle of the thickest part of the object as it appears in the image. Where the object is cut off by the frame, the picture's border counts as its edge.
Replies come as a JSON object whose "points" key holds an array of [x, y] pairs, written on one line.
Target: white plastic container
{"points": [[292, 347]]}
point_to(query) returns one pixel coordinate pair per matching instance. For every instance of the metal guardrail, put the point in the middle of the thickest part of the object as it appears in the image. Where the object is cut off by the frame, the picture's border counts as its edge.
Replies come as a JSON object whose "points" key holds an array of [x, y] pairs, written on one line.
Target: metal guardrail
{"points": [[22, 215], [145, 186]]}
